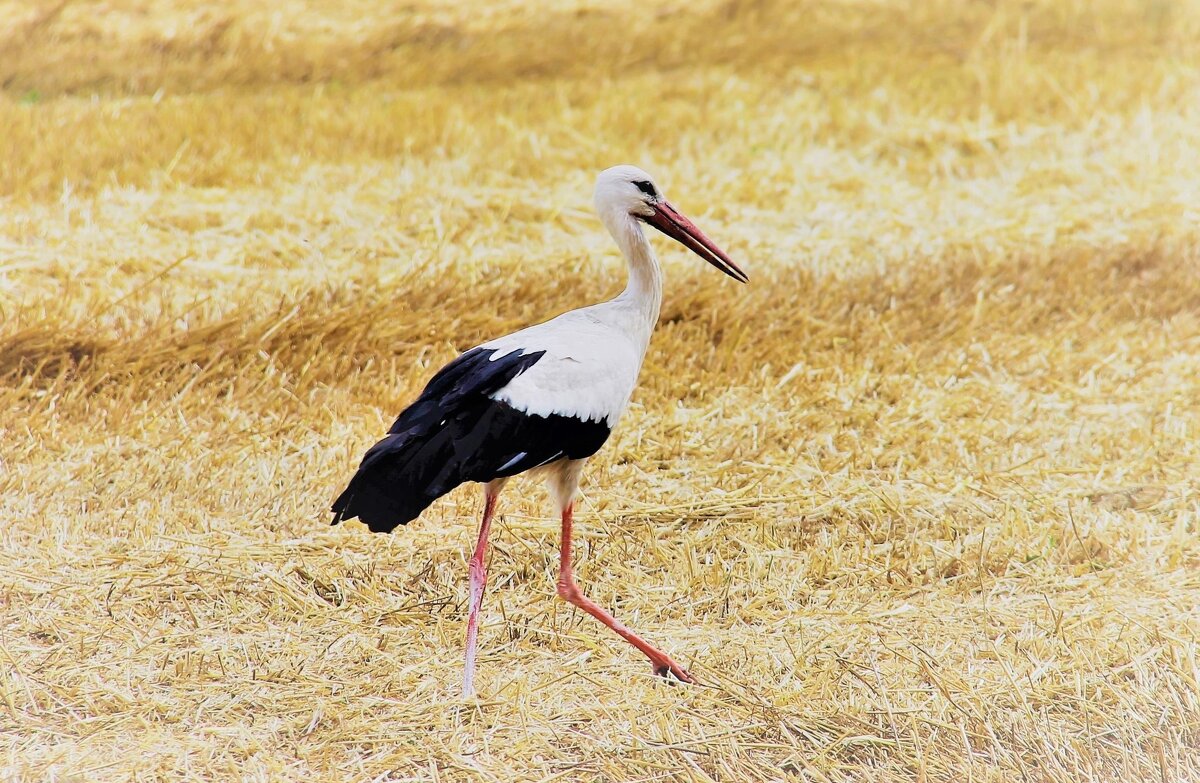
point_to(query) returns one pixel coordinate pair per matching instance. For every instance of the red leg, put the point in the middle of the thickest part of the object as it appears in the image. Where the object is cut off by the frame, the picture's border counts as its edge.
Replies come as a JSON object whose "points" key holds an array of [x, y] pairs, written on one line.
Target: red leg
{"points": [[478, 572], [662, 663]]}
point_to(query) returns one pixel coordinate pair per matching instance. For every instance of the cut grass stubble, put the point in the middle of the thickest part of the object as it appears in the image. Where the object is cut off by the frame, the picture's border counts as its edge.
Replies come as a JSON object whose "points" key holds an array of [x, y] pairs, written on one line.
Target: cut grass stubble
{"points": [[918, 503]]}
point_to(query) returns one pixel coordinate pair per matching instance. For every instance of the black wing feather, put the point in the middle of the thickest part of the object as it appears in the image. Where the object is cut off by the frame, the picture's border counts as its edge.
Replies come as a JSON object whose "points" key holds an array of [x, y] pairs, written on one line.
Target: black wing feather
{"points": [[455, 432]]}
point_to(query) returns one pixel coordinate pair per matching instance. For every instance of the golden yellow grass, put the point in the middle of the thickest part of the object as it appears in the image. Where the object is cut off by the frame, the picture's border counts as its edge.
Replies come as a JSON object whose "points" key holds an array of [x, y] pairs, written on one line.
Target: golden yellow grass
{"points": [[919, 503]]}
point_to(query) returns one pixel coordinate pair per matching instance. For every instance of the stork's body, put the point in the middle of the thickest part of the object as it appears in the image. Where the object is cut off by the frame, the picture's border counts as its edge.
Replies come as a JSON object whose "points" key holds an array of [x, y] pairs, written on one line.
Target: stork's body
{"points": [[541, 399]]}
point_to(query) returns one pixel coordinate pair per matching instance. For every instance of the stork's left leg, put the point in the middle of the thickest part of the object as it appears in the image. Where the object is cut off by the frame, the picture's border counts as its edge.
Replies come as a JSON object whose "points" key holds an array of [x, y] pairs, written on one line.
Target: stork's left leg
{"points": [[662, 663], [478, 571]]}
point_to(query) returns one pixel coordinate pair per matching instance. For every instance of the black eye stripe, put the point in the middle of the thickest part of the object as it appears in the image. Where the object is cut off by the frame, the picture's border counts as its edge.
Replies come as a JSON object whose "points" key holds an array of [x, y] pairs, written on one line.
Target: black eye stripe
{"points": [[647, 187]]}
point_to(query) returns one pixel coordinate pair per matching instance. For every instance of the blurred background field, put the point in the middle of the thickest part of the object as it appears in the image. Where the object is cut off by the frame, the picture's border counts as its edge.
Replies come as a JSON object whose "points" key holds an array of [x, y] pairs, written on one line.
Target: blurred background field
{"points": [[919, 503]]}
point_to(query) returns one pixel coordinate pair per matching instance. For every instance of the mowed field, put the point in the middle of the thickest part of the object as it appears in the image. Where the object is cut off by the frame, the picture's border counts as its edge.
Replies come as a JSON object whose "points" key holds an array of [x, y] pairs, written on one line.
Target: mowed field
{"points": [[920, 502]]}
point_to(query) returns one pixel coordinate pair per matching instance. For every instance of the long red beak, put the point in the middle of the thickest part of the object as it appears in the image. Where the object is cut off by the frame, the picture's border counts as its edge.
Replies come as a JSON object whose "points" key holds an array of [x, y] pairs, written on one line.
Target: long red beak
{"points": [[668, 220]]}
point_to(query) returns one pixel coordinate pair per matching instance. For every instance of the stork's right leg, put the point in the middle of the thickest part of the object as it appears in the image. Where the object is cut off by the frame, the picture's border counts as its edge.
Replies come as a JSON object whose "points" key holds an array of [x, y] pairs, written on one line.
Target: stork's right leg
{"points": [[478, 572], [567, 589]]}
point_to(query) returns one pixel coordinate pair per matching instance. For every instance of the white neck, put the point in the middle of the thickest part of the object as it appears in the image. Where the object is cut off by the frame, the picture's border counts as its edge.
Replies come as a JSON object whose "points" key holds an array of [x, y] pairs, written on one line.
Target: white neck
{"points": [[643, 294]]}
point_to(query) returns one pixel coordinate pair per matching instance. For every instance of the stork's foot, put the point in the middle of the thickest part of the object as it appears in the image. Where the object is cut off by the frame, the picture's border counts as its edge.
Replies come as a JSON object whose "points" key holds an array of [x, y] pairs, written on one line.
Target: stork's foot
{"points": [[667, 669]]}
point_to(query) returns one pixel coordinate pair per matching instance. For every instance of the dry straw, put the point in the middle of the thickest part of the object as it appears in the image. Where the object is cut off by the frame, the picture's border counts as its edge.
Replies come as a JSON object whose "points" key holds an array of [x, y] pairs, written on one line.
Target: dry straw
{"points": [[920, 503]]}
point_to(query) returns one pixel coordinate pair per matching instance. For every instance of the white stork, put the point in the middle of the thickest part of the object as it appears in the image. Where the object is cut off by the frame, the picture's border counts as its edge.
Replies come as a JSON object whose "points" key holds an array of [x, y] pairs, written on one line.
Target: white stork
{"points": [[542, 399]]}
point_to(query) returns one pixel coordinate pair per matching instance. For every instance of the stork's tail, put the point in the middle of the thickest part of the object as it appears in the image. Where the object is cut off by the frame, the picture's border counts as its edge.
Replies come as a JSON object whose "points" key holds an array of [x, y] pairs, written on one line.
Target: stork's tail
{"points": [[399, 478]]}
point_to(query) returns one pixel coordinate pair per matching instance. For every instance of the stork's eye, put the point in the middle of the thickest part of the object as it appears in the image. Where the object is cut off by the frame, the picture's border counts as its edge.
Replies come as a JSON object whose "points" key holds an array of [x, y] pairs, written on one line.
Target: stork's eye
{"points": [[647, 187]]}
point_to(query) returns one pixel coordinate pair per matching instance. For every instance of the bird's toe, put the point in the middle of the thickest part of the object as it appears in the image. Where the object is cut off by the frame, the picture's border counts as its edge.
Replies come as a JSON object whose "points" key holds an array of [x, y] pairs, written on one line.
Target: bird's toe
{"points": [[671, 669]]}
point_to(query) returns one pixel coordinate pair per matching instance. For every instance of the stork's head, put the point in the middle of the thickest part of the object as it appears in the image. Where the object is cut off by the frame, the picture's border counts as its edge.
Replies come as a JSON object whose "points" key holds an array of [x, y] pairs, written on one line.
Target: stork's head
{"points": [[629, 190]]}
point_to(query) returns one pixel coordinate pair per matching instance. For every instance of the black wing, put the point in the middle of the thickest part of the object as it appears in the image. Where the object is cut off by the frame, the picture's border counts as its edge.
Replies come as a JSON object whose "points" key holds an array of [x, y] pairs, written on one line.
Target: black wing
{"points": [[456, 432]]}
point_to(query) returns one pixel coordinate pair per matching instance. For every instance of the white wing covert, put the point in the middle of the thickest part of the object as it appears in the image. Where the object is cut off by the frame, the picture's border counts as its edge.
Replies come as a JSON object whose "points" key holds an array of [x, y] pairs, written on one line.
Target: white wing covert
{"points": [[588, 372]]}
